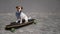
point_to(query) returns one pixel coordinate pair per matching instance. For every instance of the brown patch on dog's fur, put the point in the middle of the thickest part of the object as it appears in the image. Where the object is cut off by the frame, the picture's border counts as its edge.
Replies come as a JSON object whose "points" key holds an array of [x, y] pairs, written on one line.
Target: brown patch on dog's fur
{"points": [[18, 7]]}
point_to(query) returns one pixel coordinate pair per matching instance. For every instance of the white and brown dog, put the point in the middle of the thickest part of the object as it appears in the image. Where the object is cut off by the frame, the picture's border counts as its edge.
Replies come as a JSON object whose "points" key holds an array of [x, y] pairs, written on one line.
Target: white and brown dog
{"points": [[20, 15]]}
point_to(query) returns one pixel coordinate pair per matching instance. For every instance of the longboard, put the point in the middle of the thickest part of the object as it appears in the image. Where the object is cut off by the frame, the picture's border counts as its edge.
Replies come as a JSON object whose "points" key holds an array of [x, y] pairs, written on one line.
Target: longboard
{"points": [[18, 25]]}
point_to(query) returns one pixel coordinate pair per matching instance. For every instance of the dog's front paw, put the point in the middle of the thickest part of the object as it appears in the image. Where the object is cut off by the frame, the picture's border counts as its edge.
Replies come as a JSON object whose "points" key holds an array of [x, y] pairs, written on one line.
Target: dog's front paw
{"points": [[16, 21]]}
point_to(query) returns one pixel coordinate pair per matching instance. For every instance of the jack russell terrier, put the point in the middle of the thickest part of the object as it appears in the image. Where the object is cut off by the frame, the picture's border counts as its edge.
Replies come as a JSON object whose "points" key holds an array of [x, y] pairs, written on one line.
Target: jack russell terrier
{"points": [[20, 15]]}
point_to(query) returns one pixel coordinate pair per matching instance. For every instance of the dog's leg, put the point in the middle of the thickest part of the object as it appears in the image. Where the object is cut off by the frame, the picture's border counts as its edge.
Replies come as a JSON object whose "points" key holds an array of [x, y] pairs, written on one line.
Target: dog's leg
{"points": [[21, 21], [17, 20], [26, 20]]}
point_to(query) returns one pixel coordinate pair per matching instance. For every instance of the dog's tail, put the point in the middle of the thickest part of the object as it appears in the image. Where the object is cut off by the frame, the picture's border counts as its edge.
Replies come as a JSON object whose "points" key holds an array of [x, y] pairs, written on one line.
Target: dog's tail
{"points": [[29, 18]]}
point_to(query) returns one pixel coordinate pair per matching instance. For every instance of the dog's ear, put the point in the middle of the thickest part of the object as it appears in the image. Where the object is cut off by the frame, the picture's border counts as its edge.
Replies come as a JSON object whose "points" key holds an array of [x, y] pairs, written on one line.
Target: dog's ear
{"points": [[21, 7], [17, 6]]}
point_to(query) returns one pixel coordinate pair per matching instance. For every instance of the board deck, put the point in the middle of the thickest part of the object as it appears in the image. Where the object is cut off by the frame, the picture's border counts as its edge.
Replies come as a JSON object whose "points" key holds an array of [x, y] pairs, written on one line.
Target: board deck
{"points": [[17, 25]]}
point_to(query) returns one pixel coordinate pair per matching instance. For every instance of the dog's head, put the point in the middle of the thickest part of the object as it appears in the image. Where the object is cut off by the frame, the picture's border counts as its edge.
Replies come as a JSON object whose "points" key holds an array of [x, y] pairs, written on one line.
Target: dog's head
{"points": [[19, 8]]}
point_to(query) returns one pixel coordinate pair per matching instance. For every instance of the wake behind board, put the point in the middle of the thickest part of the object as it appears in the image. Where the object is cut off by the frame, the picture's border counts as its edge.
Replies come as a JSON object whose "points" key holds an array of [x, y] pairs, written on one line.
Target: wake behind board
{"points": [[18, 25]]}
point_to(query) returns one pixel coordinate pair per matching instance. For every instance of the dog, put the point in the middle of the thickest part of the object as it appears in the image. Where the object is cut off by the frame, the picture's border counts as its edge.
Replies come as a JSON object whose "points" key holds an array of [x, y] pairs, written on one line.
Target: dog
{"points": [[20, 15]]}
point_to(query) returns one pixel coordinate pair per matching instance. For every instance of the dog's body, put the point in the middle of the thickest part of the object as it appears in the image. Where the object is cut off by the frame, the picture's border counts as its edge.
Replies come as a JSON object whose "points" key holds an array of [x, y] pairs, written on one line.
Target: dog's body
{"points": [[23, 16], [20, 15]]}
